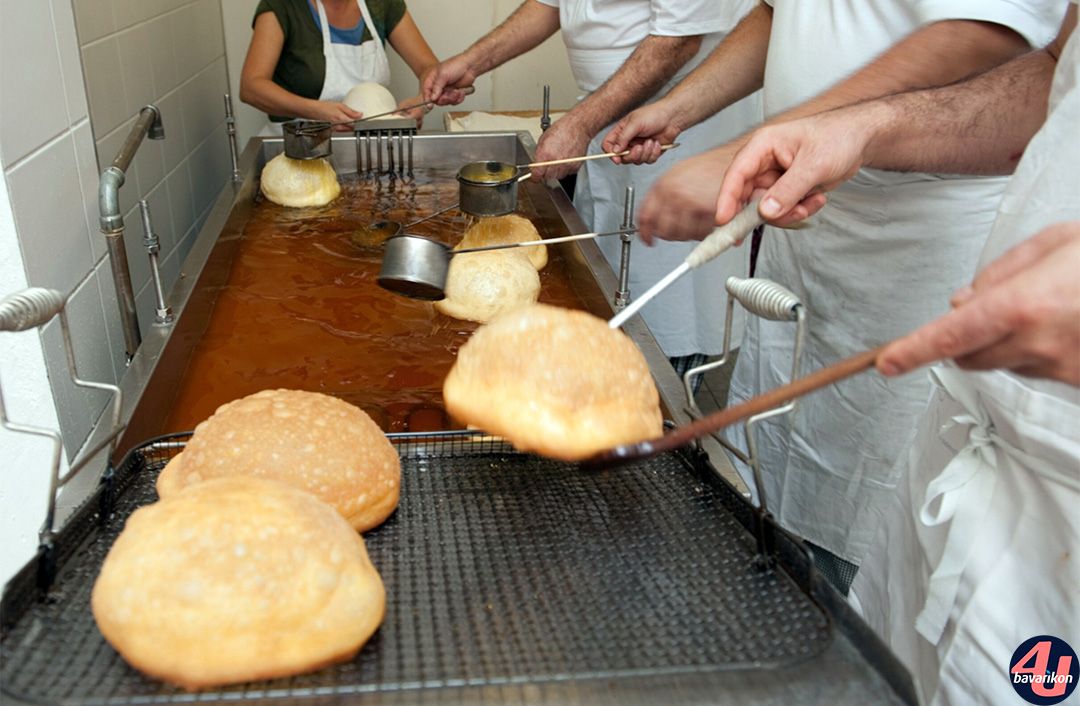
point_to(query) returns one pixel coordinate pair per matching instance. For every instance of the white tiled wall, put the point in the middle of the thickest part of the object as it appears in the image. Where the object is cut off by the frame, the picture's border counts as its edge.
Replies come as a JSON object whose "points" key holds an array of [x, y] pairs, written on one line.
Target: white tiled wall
{"points": [[74, 74]]}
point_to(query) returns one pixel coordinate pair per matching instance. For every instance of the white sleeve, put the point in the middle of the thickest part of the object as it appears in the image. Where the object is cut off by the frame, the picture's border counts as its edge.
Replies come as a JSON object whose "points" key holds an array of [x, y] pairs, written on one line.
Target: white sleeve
{"points": [[1037, 21], [680, 18], [549, 3]]}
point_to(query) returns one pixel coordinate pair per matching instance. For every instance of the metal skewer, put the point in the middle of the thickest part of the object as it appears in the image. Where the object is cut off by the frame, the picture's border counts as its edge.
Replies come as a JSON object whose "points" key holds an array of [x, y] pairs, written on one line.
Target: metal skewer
{"points": [[318, 125], [719, 241], [549, 241], [663, 148]]}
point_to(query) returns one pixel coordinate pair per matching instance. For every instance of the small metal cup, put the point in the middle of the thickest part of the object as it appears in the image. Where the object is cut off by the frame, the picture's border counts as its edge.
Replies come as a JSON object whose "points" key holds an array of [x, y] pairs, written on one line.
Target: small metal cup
{"points": [[415, 267], [306, 139], [488, 188]]}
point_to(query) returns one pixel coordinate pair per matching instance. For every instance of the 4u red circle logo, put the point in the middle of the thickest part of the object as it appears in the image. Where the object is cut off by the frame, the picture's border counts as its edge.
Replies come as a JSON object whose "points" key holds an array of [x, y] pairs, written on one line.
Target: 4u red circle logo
{"points": [[1044, 670]]}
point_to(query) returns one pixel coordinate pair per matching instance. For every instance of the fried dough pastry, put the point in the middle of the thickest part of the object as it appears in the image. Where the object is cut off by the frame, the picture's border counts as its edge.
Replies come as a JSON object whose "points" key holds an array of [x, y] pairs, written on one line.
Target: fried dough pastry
{"points": [[483, 285], [506, 229], [311, 441], [555, 381], [298, 183], [237, 579]]}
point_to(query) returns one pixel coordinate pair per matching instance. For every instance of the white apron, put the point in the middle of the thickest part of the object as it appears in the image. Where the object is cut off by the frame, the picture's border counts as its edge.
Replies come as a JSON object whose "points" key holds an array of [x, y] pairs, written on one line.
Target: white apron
{"points": [[876, 263], [880, 260], [978, 551], [688, 317], [346, 65]]}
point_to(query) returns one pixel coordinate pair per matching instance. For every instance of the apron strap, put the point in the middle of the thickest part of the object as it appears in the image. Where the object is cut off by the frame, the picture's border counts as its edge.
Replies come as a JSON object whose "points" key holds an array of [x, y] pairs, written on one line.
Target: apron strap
{"points": [[324, 27], [961, 495]]}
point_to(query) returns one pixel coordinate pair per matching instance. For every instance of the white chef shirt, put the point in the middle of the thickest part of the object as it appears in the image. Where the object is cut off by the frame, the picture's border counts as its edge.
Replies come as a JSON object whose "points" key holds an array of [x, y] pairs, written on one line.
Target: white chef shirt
{"points": [[601, 34], [821, 43]]}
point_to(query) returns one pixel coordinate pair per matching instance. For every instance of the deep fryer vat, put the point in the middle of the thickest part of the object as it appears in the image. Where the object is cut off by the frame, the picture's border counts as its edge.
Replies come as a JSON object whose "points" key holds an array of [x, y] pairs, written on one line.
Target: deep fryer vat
{"points": [[500, 568], [169, 359]]}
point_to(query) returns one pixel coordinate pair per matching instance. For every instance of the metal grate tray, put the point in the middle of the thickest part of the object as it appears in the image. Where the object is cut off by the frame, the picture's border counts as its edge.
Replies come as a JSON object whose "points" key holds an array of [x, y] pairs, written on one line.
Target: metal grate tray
{"points": [[500, 569]]}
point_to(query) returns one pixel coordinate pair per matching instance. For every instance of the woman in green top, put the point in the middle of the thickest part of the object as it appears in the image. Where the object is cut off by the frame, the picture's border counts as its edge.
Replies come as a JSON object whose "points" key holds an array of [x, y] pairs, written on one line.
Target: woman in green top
{"points": [[305, 55]]}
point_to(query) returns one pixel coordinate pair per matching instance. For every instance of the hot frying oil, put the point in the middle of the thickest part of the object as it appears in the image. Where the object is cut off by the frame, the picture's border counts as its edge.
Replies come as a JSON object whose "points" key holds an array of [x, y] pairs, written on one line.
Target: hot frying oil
{"points": [[302, 309]]}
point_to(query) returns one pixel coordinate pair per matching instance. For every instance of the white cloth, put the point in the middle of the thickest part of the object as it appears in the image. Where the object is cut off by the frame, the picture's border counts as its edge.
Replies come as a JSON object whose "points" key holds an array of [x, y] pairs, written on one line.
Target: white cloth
{"points": [[346, 65], [600, 35], [978, 550], [880, 260]]}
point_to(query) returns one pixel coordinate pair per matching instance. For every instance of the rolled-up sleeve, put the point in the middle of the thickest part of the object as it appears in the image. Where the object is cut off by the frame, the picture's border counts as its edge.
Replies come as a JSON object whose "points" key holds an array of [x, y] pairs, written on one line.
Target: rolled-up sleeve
{"points": [[549, 3], [1037, 21], [680, 18]]}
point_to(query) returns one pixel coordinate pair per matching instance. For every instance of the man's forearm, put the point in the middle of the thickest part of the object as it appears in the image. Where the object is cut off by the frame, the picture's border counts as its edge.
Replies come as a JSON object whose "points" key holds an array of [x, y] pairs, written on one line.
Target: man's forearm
{"points": [[734, 70], [655, 61], [979, 126], [935, 55], [525, 29]]}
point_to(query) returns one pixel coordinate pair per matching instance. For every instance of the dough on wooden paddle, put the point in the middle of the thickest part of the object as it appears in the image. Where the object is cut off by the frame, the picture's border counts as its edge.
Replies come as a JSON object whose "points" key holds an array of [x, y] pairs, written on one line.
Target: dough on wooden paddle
{"points": [[556, 381], [312, 441], [506, 229], [483, 285], [237, 579], [299, 183]]}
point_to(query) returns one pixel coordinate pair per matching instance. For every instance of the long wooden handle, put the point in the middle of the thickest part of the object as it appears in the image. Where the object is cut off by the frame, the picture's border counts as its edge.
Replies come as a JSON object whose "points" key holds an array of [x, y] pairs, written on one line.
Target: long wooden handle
{"points": [[663, 148], [726, 417]]}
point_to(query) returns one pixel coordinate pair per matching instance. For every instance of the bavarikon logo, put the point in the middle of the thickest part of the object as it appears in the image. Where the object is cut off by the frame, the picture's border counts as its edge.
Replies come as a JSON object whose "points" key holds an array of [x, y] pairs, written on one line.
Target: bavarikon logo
{"points": [[1044, 670]]}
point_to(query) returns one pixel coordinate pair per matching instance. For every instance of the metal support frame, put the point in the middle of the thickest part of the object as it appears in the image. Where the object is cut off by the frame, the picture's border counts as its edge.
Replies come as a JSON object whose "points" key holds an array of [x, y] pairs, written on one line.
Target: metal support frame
{"points": [[622, 293], [33, 308], [163, 315], [230, 129], [768, 300]]}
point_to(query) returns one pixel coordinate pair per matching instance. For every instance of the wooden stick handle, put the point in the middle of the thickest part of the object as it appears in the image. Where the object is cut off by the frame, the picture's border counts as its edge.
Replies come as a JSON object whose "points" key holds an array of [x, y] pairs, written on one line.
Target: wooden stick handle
{"points": [[726, 417], [663, 148]]}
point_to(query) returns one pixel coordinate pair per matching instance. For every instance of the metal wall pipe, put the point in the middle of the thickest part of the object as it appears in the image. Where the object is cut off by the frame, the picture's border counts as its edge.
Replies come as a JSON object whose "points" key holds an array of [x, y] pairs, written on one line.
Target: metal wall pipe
{"points": [[112, 221]]}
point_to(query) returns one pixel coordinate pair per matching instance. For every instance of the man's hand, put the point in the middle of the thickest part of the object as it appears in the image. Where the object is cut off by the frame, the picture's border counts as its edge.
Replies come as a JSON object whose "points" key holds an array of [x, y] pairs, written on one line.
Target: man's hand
{"points": [[682, 204], [443, 82], [795, 162], [565, 138], [642, 132], [1022, 313]]}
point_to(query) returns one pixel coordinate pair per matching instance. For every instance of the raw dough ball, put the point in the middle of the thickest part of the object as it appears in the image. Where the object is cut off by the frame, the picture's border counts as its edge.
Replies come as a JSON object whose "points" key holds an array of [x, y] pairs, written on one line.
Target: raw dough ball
{"points": [[556, 381], [370, 99], [299, 182], [309, 440], [237, 579], [506, 229], [483, 285]]}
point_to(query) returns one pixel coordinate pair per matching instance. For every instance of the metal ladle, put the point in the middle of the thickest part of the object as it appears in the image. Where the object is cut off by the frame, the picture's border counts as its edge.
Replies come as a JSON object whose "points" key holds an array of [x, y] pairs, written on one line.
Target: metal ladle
{"points": [[375, 235], [490, 188], [416, 267]]}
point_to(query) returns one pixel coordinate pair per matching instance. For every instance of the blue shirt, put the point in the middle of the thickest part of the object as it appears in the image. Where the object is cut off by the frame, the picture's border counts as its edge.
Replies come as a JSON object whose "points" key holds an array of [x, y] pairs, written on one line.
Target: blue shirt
{"points": [[341, 36]]}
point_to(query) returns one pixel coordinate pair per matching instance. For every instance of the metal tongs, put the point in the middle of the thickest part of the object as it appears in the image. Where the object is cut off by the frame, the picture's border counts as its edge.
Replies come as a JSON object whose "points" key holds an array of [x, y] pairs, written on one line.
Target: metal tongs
{"points": [[317, 126]]}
